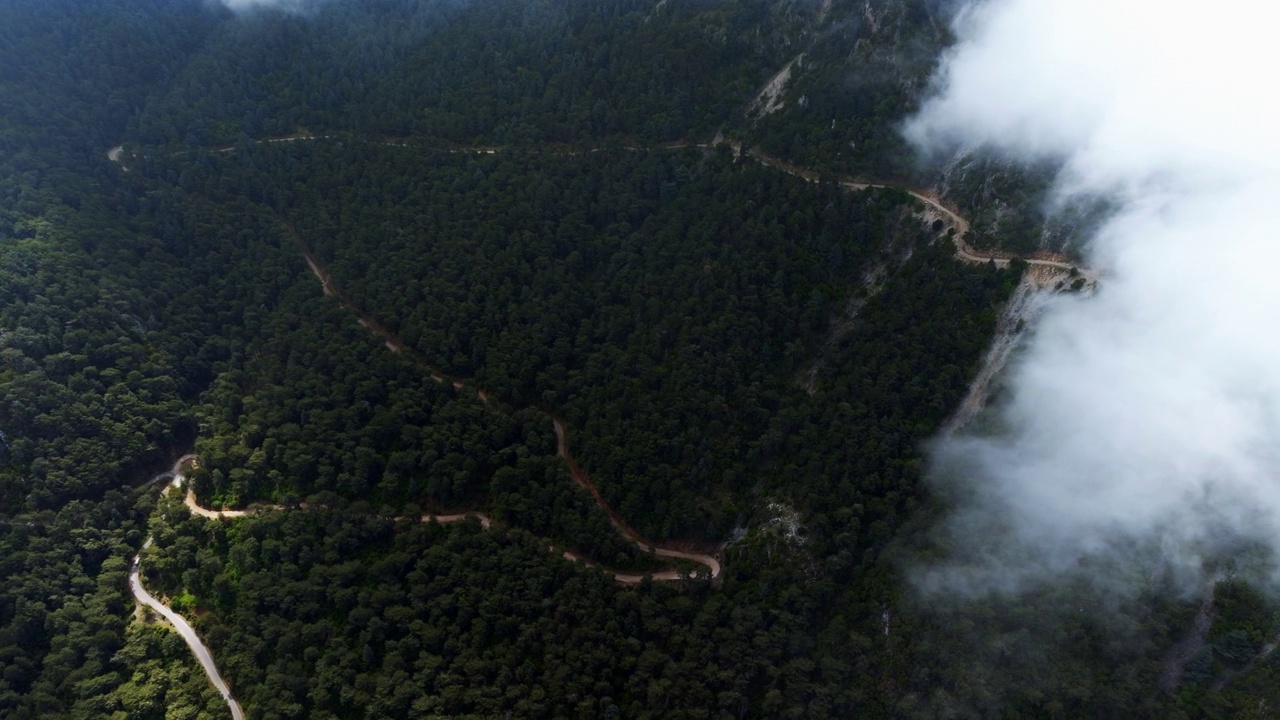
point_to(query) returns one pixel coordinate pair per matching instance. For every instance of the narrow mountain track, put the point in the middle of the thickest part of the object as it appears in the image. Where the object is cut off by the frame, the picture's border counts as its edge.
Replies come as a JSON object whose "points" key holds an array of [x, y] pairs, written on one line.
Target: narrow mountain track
{"points": [[934, 205], [935, 208], [579, 476], [175, 479]]}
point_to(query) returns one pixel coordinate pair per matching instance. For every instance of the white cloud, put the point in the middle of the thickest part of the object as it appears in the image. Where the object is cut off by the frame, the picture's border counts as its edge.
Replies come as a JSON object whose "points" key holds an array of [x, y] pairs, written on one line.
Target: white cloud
{"points": [[244, 5], [1149, 413]]}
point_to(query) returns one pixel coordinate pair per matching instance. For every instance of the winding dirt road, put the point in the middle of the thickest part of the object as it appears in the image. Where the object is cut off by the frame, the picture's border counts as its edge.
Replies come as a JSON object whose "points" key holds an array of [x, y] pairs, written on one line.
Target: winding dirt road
{"points": [[201, 651], [934, 206], [396, 345], [936, 209], [581, 478], [221, 514], [486, 522], [1045, 275]]}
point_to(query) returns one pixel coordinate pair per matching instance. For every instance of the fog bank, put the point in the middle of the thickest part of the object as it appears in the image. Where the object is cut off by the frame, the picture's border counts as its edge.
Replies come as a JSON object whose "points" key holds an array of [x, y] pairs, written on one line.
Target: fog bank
{"points": [[1143, 421], [286, 5]]}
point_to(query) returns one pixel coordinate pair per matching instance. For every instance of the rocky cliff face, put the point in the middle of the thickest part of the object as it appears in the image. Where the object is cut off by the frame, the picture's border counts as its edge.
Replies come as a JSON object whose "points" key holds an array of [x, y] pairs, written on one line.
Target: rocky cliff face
{"points": [[847, 75]]}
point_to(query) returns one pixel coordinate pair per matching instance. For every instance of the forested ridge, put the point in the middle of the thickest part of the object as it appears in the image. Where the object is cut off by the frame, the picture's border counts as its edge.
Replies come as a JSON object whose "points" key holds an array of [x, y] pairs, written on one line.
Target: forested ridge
{"points": [[668, 304]]}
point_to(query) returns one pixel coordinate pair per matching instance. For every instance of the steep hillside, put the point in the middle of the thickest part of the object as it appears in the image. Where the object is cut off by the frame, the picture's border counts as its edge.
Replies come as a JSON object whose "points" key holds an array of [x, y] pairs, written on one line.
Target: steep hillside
{"points": [[618, 276]]}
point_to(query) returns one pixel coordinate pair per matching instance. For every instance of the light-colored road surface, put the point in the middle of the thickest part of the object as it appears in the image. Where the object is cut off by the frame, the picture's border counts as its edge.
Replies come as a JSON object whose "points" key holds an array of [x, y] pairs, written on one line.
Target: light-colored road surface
{"points": [[201, 651], [188, 634], [196, 509], [179, 623]]}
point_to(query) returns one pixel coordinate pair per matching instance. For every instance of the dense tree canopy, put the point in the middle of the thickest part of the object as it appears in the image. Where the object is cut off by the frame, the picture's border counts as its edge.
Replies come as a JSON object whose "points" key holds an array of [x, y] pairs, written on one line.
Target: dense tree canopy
{"points": [[528, 197]]}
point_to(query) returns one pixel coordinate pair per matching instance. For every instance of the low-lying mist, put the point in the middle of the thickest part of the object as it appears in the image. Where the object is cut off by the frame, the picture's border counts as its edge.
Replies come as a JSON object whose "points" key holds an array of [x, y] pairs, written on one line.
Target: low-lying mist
{"points": [[1141, 425], [293, 6]]}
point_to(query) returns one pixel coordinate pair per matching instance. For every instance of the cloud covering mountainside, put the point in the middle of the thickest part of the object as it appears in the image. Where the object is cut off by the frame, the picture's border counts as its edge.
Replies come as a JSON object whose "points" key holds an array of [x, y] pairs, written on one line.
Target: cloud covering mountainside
{"points": [[1145, 418]]}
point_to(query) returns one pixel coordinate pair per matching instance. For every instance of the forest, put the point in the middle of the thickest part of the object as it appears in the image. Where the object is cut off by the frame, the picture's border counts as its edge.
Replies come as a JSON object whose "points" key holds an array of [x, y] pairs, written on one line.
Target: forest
{"points": [[530, 198]]}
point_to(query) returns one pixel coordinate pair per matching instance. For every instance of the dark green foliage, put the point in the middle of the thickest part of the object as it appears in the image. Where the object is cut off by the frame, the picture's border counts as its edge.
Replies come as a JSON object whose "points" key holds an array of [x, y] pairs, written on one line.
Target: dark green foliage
{"points": [[67, 648], [665, 326], [90, 396], [1244, 618], [76, 70], [855, 79], [320, 409], [736, 354], [474, 263], [165, 680], [496, 71], [322, 614]]}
